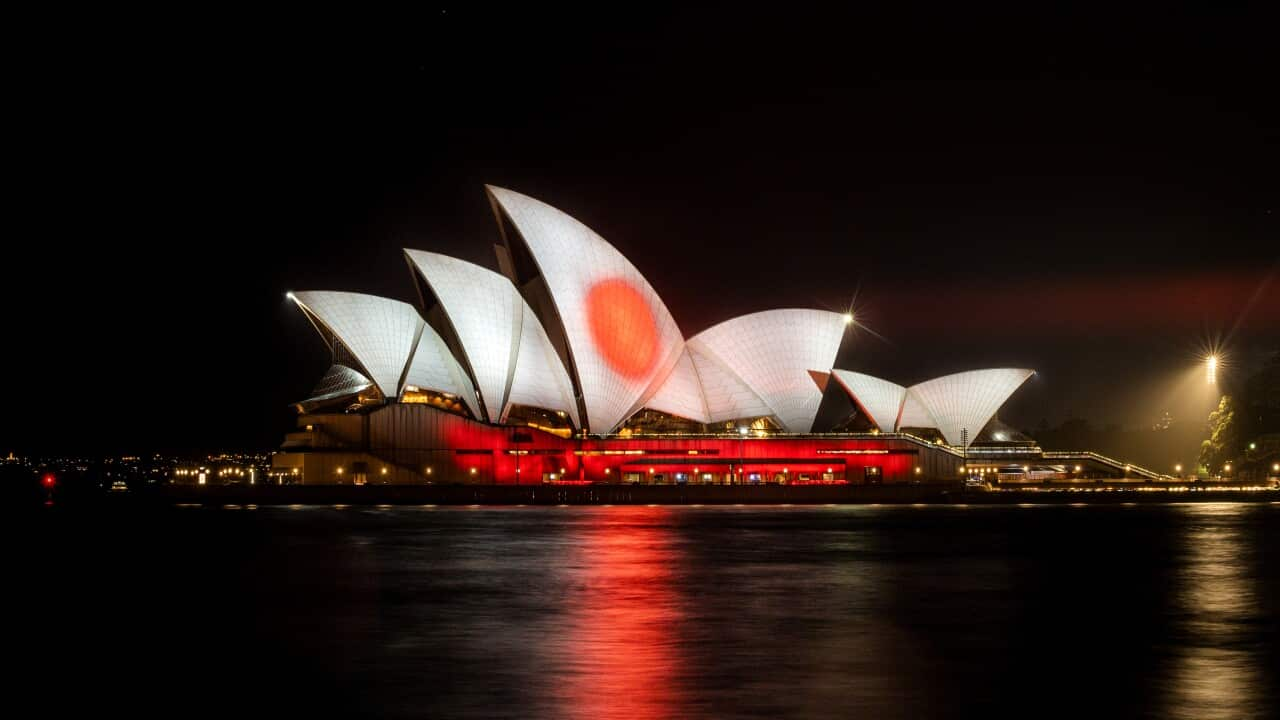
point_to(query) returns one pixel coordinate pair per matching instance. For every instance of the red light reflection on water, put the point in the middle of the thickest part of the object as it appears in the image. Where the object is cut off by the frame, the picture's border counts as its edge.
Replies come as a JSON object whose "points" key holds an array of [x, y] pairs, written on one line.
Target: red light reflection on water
{"points": [[620, 654]]}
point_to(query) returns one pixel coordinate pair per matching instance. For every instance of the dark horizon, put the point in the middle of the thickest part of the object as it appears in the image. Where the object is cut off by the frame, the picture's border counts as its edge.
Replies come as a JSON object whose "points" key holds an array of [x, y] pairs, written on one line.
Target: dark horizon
{"points": [[1094, 197]]}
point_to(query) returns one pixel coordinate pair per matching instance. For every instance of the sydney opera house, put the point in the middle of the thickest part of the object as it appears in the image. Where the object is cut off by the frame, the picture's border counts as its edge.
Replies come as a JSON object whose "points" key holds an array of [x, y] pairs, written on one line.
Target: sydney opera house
{"points": [[564, 366]]}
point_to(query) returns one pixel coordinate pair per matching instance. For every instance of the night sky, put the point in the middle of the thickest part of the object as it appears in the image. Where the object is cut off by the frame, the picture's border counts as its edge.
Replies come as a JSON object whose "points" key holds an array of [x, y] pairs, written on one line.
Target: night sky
{"points": [[1094, 196]]}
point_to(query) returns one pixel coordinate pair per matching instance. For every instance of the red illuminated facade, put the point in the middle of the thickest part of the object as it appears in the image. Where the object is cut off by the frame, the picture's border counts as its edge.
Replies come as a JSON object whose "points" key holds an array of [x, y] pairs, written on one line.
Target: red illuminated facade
{"points": [[409, 443]]}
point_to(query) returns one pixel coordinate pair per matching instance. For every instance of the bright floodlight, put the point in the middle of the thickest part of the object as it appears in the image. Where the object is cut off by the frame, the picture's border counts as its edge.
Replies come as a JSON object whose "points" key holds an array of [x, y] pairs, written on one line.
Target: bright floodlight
{"points": [[1211, 369], [289, 296], [743, 430], [848, 318]]}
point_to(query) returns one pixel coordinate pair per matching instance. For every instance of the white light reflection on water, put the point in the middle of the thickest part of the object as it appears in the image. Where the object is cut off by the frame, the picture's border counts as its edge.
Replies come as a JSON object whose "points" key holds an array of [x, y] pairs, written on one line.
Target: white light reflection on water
{"points": [[1215, 670]]}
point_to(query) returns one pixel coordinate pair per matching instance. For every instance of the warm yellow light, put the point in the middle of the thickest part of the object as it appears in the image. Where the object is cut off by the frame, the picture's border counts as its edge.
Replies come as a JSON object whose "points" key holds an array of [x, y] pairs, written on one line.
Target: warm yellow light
{"points": [[918, 471], [848, 318], [1227, 467], [1275, 467], [607, 471], [650, 471], [473, 471], [428, 471], [1077, 468], [1211, 369], [339, 471], [1177, 468], [384, 471]]}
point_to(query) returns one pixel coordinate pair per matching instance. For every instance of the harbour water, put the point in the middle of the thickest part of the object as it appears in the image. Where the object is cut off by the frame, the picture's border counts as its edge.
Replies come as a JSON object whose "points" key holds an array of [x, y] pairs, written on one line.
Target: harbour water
{"points": [[1166, 611]]}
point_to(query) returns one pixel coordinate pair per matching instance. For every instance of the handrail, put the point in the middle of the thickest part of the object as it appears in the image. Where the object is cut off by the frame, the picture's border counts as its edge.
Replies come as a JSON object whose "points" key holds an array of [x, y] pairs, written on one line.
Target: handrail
{"points": [[1137, 469], [781, 436]]}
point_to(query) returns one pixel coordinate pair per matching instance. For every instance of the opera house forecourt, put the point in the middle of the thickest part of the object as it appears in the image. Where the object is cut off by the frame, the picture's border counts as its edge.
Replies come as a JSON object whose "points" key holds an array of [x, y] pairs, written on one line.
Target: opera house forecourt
{"points": [[564, 366]]}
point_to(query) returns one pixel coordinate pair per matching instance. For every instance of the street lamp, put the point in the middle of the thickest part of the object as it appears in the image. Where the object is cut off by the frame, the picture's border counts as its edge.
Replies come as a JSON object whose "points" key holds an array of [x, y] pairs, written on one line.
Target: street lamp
{"points": [[1211, 369], [742, 437]]}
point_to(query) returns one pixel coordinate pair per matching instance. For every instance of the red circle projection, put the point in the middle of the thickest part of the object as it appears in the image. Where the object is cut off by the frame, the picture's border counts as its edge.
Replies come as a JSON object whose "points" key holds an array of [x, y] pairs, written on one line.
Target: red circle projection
{"points": [[623, 327]]}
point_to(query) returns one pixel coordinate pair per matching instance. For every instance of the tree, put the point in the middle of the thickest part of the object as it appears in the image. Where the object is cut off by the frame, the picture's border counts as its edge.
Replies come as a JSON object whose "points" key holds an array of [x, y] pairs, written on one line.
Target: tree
{"points": [[1223, 442]]}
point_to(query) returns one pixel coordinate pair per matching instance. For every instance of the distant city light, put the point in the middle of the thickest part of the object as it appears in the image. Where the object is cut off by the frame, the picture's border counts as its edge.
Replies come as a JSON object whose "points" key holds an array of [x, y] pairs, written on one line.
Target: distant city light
{"points": [[1177, 468]]}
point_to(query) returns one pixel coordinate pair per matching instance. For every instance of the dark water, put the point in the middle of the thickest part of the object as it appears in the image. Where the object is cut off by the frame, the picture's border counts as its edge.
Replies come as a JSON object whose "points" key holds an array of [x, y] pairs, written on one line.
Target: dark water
{"points": [[626, 612]]}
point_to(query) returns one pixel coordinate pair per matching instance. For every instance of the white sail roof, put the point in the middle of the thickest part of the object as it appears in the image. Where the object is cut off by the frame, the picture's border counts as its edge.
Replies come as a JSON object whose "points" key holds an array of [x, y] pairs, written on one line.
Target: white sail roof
{"points": [[378, 332], [339, 381], [621, 338], [967, 400], [385, 336], [681, 393], [880, 399], [914, 414], [432, 366], [507, 348], [539, 378], [483, 308], [772, 352], [726, 395]]}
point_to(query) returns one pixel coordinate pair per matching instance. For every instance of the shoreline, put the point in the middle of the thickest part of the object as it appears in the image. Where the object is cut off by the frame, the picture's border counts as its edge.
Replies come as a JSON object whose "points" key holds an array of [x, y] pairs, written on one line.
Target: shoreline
{"points": [[510, 495]]}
